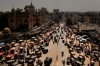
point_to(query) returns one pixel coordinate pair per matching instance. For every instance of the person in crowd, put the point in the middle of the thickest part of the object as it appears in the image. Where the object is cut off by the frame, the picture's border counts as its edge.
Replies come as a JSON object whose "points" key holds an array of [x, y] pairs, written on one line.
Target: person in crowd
{"points": [[28, 50], [63, 62]]}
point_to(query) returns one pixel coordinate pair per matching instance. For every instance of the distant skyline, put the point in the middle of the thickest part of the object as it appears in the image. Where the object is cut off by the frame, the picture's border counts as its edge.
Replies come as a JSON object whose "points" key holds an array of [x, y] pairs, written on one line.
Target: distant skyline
{"points": [[62, 5]]}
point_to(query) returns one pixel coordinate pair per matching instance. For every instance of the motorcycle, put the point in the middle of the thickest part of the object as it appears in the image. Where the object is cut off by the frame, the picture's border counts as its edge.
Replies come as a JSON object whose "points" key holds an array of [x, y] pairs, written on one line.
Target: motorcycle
{"points": [[62, 54], [63, 62]]}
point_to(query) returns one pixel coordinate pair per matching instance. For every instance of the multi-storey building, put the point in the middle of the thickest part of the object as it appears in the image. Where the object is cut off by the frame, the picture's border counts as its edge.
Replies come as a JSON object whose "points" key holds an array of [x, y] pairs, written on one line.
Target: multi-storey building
{"points": [[29, 16], [86, 19], [79, 18]]}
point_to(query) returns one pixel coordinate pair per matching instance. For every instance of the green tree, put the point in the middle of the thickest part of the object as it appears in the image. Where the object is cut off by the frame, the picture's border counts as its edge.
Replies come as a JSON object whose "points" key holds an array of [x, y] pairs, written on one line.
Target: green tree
{"points": [[43, 9], [69, 21], [26, 7], [6, 31], [18, 10], [22, 26], [3, 20]]}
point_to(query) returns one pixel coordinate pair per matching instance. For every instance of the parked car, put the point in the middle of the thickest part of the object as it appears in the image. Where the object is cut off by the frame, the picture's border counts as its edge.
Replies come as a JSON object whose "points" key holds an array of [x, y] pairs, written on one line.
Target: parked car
{"points": [[47, 61], [36, 51], [47, 44], [45, 51]]}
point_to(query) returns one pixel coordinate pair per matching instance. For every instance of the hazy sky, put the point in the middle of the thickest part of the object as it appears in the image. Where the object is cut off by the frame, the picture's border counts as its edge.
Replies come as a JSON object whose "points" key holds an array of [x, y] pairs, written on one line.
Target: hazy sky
{"points": [[63, 5]]}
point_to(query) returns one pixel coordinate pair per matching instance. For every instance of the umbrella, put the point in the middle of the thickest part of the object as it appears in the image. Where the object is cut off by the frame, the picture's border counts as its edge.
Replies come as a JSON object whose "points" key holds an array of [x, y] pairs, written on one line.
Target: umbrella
{"points": [[22, 44], [41, 41], [47, 34], [2, 44], [32, 43], [9, 55], [13, 43], [15, 53], [1, 53], [20, 40]]}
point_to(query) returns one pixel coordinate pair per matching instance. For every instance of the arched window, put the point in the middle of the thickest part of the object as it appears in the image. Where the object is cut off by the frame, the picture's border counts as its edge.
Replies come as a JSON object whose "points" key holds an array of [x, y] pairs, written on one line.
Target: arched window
{"points": [[26, 20], [11, 20]]}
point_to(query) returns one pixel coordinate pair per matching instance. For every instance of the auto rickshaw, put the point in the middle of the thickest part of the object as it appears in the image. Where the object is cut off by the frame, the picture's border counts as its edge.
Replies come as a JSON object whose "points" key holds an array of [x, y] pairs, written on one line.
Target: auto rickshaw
{"points": [[9, 62], [34, 58], [70, 50], [69, 45], [36, 51], [78, 63], [92, 63], [63, 41], [45, 51], [39, 62], [72, 54], [14, 64], [16, 55], [20, 41], [96, 55], [47, 44], [30, 62], [1, 55], [12, 50], [32, 38], [36, 41], [21, 61], [39, 54], [27, 58], [41, 46], [68, 61], [32, 43], [47, 61], [22, 44], [9, 56], [78, 49], [73, 61], [81, 59], [21, 49], [38, 47], [21, 55], [13, 44], [8, 46]]}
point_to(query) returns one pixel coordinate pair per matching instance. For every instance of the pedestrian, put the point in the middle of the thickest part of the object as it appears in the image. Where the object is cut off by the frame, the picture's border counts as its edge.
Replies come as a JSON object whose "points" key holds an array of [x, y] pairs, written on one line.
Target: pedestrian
{"points": [[28, 50], [88, 65]]}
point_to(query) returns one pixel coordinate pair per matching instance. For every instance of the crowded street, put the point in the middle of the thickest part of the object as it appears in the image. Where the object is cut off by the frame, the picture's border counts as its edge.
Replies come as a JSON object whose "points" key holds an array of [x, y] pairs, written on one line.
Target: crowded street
{"points": [[60, 45], [49, 33]]}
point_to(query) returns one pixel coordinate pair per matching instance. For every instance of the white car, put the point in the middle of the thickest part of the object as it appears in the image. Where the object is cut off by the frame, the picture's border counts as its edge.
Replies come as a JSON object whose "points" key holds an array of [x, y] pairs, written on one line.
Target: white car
{"points": [[83, 40], [79, 38]]}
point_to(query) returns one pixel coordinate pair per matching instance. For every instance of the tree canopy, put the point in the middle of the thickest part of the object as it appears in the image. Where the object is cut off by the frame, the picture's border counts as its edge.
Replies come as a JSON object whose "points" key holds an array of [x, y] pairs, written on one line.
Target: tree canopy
{"points": [[69, 21], [44, 10], [22, 26], [3, 20]]}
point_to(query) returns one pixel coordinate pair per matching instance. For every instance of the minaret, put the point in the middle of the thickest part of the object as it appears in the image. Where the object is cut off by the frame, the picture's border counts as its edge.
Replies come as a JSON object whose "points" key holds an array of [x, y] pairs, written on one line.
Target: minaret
{"points": [[31, 2], [36, 10], [31, 6], [13, 9]]}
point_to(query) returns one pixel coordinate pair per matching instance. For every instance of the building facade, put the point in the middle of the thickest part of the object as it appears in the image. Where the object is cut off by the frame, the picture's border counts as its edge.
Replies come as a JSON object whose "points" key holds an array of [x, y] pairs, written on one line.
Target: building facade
{"points": [[79, 18], [29, 16], [86, 19], [56, 14]]}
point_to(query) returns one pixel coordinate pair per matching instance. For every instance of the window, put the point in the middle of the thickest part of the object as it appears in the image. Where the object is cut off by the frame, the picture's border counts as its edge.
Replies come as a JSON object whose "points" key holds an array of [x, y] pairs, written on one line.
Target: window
{"points": [[12, 27], [11, 20], [25, 20], [20, 20]]}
